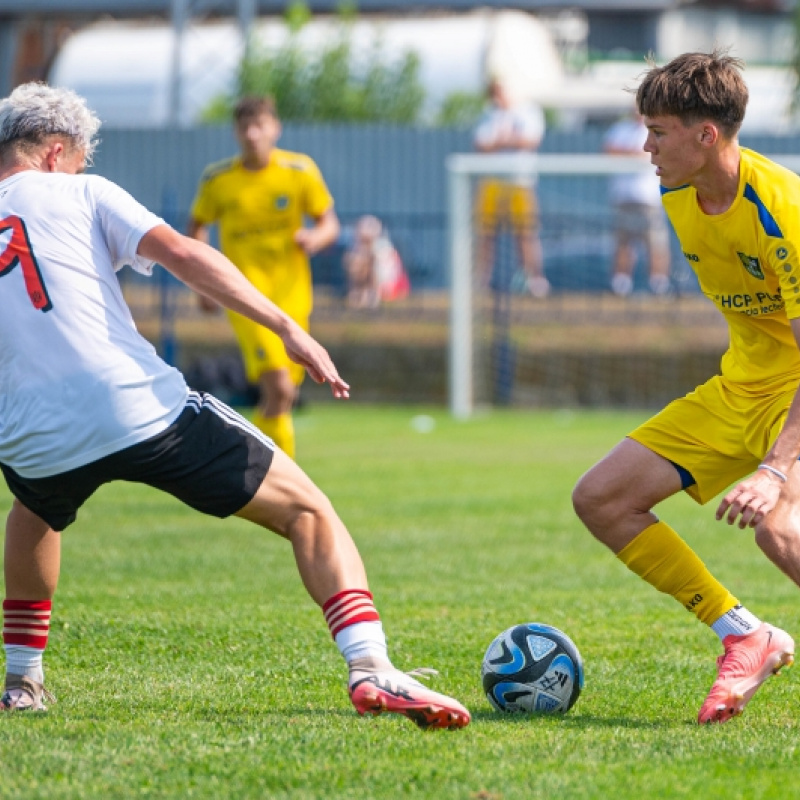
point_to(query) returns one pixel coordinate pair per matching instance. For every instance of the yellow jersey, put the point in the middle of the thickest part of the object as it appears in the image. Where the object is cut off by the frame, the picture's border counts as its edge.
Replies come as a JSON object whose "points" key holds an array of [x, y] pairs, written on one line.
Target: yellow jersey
{"points": [[747, 263], [258, 213]]}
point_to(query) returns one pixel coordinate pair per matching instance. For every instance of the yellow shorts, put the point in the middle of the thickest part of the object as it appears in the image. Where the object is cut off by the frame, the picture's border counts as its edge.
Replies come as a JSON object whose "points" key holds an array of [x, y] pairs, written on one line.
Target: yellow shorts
{"points": [[718, 435], [501, 201], [262, 350]]}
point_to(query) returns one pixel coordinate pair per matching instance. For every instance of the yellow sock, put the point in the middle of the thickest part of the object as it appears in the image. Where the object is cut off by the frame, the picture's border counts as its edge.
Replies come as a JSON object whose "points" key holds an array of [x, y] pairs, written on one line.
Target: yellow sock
{"points": [[664, 560], [280, 429]]}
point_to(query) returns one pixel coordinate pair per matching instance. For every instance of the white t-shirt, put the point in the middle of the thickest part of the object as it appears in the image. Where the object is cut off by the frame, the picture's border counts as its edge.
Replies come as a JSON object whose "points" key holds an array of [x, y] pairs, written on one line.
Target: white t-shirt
{"points": [[642, 188], [526, 121], [77, 380]]}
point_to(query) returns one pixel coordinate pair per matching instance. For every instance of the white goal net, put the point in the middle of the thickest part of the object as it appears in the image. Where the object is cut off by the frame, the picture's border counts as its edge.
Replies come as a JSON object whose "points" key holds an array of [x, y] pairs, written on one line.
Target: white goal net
{"points": [[582, 344]]}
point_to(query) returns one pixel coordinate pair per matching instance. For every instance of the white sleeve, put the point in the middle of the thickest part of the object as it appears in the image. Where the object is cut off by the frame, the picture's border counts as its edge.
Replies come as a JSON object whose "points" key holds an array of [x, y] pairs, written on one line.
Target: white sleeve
{"points": [[533, 124], [123, 222], [486, 131]]}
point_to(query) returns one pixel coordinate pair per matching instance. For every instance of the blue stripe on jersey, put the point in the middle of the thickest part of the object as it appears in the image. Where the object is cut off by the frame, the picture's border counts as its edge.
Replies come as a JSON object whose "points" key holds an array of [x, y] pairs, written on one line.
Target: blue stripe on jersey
{"points": [[664, 190], [764, 217]]}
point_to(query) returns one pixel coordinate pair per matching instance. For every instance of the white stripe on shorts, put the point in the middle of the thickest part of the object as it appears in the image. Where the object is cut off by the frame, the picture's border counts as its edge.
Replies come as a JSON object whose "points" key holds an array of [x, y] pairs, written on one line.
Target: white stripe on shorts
{"points": [[194, 400], [225, 412]]}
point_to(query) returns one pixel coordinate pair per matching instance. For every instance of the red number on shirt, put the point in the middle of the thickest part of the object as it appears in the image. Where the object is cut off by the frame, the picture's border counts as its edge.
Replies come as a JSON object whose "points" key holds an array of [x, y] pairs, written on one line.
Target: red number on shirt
{"points": [[18, 251]]}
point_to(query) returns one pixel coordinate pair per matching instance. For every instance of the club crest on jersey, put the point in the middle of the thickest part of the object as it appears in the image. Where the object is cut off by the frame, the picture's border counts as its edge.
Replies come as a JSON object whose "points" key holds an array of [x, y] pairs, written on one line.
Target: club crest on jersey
{"points": [[781, 252], [282, 202], [751, 265]]}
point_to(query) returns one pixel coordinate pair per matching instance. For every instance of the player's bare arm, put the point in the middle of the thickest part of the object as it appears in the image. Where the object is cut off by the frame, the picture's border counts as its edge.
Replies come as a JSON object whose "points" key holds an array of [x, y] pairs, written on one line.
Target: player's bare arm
{"points": [[324, 232], [196, 230], [509, 140], [524, 141], [756, 496], [212, 275]]}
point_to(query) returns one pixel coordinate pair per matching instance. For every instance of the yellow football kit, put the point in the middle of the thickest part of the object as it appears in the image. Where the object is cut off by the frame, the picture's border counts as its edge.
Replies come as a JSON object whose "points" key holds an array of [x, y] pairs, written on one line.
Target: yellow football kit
{"points": [[502, 201], [747, 264], [258, 213]]}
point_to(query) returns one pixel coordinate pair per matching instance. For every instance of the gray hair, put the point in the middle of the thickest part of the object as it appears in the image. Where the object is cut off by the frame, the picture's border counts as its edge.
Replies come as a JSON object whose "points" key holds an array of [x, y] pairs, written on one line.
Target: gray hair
{"points": [[35, 110]]}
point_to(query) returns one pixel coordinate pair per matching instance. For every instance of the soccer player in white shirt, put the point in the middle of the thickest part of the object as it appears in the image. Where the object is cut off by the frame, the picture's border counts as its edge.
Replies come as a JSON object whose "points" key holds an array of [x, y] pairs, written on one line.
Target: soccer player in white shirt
{"points": [[85, 400]]}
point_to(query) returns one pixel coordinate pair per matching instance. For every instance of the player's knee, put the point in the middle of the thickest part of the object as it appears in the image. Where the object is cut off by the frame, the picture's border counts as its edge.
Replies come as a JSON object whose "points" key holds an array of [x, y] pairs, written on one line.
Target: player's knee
{"points": [[316, 523], [284, 400], [590, 499], [278, 392], [312, 509], [602, 503]]}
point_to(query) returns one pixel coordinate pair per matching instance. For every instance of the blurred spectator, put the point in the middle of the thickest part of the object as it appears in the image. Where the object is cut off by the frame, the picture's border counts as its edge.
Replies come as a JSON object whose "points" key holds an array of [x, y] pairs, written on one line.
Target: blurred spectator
{"points": [[374, 268], [638, 214], [510, 127]]}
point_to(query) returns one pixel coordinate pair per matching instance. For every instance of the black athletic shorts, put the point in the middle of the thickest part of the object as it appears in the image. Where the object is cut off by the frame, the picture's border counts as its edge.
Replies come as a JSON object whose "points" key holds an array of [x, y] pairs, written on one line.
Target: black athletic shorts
{"points": [[211, 458]]}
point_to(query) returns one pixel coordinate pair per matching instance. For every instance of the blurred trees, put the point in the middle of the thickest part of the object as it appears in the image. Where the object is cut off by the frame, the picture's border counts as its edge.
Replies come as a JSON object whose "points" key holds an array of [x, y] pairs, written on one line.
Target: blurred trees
{"points": [[461, 109], [330, 85]]}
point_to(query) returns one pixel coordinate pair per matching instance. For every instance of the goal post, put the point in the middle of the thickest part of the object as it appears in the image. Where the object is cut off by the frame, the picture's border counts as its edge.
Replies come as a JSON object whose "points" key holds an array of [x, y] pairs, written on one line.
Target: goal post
{"points": [[463, 171], [488, 326]]}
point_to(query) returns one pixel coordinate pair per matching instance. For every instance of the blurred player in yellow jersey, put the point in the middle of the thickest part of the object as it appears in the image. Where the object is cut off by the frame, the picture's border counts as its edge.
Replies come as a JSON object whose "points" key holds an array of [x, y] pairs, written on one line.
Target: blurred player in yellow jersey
{"points": [[737, 216], [261, 200]]}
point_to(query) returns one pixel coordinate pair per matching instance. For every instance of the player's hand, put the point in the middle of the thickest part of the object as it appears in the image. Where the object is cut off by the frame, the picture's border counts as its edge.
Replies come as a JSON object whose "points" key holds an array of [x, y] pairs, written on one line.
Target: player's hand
{"points": [[310, 354], [305, 238], [751, 500]]}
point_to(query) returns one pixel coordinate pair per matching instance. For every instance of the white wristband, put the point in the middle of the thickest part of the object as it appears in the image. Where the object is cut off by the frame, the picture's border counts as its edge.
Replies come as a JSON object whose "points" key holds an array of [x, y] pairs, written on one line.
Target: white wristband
{"points": [[774, 471]]}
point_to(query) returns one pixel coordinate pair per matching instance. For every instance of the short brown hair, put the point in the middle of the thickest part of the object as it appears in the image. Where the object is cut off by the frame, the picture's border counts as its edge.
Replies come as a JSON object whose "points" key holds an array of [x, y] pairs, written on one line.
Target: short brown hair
{"points": [[694, 87], [254, 106]]}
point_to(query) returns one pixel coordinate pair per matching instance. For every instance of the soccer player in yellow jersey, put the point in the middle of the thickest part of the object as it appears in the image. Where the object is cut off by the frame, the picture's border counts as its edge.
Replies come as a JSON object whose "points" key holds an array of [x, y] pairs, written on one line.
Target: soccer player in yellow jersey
{"points": [[737, 216], [261, 200]]}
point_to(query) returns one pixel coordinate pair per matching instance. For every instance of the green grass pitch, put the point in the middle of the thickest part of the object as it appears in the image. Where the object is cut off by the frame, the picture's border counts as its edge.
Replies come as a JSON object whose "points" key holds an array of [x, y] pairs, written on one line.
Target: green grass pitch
{"points": [[189, 662]]}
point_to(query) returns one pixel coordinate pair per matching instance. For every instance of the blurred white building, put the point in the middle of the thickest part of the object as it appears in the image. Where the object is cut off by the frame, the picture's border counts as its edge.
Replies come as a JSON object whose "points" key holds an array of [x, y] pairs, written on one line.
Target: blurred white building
{"points": [[132, 72]]}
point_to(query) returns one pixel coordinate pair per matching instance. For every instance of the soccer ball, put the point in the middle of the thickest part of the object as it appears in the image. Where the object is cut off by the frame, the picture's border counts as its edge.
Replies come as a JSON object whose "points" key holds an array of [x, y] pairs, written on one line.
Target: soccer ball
{"points": [[532, 668]]}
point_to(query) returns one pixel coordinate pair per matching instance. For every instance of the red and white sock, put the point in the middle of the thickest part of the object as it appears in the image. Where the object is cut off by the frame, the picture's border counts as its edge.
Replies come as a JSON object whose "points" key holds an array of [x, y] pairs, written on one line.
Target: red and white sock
{"points": [[355, 625], [26, 625]]}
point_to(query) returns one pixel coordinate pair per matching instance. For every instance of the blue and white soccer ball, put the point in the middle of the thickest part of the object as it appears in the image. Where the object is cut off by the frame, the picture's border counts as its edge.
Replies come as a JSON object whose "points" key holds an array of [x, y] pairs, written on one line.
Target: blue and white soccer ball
{"points": [[532, 668]]}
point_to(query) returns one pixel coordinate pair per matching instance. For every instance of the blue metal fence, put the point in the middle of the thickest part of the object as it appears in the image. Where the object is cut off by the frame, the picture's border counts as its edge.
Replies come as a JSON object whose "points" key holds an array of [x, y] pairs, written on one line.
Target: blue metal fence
{"points": [[397, 174]]}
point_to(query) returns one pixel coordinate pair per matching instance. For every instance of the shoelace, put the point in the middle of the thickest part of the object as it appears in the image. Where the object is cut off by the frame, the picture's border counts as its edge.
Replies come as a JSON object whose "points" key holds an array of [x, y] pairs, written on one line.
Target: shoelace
{"points": [[425, 673], [422, 672]]}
